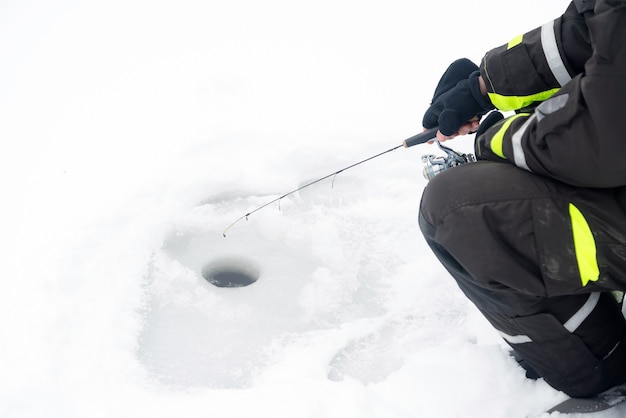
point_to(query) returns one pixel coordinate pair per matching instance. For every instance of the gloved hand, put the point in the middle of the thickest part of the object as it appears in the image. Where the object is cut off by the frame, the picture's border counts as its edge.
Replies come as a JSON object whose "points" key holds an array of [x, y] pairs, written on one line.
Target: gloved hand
{"points": [[457, 98]]}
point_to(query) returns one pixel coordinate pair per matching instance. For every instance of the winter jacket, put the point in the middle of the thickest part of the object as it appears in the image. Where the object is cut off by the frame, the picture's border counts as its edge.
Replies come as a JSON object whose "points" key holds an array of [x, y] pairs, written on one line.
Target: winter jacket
{"points": [[566, 81]]}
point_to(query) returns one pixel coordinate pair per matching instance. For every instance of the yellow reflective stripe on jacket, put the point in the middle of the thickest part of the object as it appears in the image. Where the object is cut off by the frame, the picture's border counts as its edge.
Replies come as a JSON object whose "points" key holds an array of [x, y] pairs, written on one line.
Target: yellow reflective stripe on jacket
{"points": [[498, 138], [584, 247], [515, 41], [507, 103]]}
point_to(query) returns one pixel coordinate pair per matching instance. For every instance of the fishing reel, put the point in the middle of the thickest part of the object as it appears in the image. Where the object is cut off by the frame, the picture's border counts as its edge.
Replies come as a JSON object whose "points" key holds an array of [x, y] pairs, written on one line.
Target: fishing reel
{"points": [[434, 165]]}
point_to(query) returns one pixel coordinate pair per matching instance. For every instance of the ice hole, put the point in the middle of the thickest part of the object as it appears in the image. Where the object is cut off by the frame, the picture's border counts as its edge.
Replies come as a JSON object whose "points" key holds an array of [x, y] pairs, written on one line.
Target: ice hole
{"points": [[231, 272]]}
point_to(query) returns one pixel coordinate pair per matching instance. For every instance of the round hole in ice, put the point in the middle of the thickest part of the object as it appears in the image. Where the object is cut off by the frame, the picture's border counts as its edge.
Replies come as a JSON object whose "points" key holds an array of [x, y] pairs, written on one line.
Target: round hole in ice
{"points": [[231, 272]]}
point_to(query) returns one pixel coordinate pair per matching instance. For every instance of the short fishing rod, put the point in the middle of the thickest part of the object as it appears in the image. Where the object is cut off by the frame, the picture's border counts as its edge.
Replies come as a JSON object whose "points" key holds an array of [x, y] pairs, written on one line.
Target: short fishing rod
{"points": [[420, 138]]}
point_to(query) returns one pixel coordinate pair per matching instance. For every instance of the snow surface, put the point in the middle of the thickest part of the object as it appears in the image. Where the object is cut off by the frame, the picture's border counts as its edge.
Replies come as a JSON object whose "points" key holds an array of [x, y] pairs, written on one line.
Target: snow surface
{"points": [[134, 132]]}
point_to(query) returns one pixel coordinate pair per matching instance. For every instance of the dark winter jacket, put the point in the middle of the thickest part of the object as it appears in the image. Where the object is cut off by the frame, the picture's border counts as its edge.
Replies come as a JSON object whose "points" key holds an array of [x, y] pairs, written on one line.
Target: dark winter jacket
{"points": [[566, 81]]}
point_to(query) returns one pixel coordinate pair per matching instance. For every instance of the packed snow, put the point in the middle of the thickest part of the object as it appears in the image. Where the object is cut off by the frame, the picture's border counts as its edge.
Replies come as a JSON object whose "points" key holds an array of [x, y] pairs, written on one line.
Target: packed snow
{"points": [[135, 132]]}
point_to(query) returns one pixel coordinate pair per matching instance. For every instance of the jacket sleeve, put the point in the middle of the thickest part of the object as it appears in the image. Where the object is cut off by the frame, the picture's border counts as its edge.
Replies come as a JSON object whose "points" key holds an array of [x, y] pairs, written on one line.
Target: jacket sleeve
{"points": [[533, 66], [576, 135]]}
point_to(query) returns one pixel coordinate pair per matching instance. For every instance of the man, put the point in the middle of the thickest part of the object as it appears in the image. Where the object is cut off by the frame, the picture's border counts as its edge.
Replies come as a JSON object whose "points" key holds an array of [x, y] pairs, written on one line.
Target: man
{"points": [[535, 232]]}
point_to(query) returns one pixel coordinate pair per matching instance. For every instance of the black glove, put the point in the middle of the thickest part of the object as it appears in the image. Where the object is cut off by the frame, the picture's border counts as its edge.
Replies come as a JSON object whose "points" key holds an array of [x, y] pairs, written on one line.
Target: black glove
{"points": [[457, 98]]}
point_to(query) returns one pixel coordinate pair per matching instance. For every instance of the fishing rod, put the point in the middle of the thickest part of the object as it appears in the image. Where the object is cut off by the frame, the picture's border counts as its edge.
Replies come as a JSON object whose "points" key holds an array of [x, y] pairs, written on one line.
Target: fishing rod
{"points": [[420, 138]]}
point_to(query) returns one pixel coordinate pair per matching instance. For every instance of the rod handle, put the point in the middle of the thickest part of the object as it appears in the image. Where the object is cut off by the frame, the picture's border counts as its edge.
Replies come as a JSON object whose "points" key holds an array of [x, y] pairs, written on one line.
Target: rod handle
{"points": [[421, 137]]}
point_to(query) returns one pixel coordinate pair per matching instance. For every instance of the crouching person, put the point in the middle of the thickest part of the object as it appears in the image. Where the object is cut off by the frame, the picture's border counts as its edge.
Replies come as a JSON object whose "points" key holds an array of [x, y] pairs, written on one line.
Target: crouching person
{"points": [[535, 232]]}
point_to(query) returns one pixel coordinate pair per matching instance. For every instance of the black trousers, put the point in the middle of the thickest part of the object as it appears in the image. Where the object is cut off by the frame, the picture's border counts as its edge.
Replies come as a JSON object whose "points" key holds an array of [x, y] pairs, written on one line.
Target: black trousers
{"points": [[540, 260]]}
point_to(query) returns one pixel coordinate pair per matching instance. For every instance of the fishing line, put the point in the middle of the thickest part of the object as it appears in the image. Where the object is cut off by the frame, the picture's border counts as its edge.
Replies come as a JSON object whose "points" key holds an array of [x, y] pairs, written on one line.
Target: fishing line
{"points": [[414, 140]]}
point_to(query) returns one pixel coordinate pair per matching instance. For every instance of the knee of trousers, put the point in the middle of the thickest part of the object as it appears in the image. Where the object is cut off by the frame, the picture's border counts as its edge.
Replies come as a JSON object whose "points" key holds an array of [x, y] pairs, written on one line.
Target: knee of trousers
{"points": [[487, 217], [495, 219], [482, 182]]}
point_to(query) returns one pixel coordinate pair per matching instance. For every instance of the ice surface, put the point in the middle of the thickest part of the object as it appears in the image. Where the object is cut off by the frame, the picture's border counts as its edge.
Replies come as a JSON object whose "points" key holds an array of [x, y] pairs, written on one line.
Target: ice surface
{"points": [[134, 132]]}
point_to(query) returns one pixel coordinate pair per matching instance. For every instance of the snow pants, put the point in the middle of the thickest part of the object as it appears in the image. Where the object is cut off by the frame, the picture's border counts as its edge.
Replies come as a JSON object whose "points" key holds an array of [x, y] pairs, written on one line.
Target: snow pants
{"points": [[542, 261]]}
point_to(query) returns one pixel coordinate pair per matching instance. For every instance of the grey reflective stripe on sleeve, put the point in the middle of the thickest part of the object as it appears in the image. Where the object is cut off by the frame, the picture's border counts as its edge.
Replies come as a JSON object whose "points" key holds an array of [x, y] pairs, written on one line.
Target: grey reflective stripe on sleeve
{"points": [[515, 339], [554, 103], [574, 322], [551, 51], [516, 142]]}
